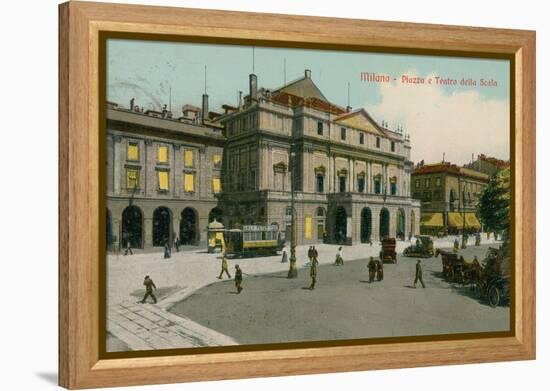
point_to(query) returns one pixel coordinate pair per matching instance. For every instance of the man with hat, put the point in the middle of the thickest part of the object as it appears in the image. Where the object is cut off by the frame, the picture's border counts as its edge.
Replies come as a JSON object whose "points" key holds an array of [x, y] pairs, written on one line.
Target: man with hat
{"points": [[149, 285], [238, 278], [418, 274]]}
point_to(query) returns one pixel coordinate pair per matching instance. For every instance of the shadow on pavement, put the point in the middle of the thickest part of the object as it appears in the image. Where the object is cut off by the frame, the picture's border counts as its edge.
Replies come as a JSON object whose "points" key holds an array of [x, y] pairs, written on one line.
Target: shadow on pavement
{"points": [[161, 293]]}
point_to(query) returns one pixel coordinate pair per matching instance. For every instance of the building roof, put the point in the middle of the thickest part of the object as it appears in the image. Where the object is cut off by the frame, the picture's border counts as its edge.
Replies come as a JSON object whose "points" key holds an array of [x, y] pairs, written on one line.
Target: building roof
{"points": [[303, 88], [494, 161], [448, 168], [291, 100]]}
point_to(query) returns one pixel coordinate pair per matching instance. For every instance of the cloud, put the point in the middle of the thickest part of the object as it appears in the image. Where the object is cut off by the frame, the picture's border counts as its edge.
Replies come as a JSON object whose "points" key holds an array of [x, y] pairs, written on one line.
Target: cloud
{"points": [[459, 124]]}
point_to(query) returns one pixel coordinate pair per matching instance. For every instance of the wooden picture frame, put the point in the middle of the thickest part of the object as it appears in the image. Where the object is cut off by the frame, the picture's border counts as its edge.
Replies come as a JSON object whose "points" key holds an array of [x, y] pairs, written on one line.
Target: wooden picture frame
{"points": [[80, 154]]}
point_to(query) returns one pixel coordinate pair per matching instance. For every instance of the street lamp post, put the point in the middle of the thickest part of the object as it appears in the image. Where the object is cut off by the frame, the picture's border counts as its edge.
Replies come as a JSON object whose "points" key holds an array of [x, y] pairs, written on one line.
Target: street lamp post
{"points": [[292, 271]]}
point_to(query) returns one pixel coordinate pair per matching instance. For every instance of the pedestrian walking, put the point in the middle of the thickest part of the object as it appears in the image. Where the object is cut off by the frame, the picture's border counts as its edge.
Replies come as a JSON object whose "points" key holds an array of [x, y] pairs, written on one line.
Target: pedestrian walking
{"points": [[339, 259], [167, 251], [315, 255], [372, 269], [177, 243], [313, 274], [455, 245], [128, 248], [310, 253], [149, 285], [224, 267], [238, 279], [284, 258], [418, 274]]}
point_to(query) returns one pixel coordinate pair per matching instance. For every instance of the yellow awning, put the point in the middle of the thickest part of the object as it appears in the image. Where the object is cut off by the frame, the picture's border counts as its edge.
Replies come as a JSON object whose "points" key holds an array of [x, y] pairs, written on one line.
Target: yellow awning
{"points": [[431, 220], [455, 220], [472, 221]]}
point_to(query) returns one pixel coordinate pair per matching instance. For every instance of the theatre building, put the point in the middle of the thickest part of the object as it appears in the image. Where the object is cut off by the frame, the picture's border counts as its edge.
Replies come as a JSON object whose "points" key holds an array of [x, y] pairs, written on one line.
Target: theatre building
{"points": [[350, 174], [162, 175], [449, 196]]}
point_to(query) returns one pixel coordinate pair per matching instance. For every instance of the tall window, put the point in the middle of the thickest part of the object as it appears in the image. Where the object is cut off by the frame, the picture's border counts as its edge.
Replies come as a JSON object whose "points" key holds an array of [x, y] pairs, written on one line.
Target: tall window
{"points": [[132, 152], [417, 183], [189, 182], [188, 158], [307, 227], [361, 138], [437, 182], [320, 183], [342, 133], [163, 180], [217, 161], [361, 183], [377, 142], [162, 154], [216, 185], [252, 180], [393, 186], [132, 179], [342, 182], [378, 184], [393, 146], [320, 128], [427, 182]]}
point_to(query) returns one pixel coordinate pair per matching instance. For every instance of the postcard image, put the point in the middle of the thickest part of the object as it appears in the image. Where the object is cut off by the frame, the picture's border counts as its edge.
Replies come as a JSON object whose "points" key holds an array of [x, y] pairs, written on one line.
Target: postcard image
{"points": [[263, 195]]}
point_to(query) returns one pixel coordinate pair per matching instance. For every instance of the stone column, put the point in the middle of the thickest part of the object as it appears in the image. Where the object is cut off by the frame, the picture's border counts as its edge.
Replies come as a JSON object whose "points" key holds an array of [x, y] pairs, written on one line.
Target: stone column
{"points": [[176, 217], [201, 172], [118, 162], [177, 172], [115, 232], [148, 240], [351, 163], [150, 182]]}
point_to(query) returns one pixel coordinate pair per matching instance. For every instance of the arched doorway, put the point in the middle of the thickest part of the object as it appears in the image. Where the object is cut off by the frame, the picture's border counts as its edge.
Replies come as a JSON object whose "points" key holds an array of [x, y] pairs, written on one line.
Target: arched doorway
{"points": [[341, 225], [384, 223], [366, 225], [109, 230], [162, 226], [400, 226], [412, 231], [215, 213], [132, 227], [188, 226]]}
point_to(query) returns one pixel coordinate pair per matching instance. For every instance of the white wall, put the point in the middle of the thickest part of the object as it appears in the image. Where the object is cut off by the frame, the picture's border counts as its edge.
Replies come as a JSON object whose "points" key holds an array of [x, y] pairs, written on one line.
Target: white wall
{"points": [[29, 197]]}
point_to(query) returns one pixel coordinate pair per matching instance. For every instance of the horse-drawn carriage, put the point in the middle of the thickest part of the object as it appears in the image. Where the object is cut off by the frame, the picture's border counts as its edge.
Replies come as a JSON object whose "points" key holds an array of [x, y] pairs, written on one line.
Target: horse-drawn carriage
{"points": [[494, 280], [388, 254], [424, 247], [457, 269]]}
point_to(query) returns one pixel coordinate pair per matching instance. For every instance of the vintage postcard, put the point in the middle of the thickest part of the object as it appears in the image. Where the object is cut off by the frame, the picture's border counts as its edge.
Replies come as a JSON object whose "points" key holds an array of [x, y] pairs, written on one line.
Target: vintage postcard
{"points": [[259, 195]]}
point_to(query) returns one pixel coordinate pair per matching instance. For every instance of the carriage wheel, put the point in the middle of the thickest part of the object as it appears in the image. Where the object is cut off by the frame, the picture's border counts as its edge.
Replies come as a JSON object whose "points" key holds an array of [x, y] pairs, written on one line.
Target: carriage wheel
{"points": [[494, 296]]}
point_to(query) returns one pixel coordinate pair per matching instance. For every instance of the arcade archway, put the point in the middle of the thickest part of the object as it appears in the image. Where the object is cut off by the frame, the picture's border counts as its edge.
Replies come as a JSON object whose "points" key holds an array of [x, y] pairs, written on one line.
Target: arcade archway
{"points": [[132, 227]]}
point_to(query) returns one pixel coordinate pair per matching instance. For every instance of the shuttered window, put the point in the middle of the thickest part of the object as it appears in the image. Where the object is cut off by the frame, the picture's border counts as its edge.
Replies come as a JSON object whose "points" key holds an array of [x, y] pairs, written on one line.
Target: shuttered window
{"points": [[189, 182], [163, 179], [162, 154]]}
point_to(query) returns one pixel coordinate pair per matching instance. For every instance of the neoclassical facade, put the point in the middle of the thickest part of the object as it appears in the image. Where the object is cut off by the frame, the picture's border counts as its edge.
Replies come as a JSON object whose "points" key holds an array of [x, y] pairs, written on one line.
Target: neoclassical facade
{"points": [[350, 175], [169, 177]]}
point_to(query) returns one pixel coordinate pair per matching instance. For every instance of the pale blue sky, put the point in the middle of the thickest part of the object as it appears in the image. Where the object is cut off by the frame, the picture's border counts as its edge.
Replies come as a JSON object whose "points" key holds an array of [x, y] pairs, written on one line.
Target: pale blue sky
{"points": [[146, 70]]}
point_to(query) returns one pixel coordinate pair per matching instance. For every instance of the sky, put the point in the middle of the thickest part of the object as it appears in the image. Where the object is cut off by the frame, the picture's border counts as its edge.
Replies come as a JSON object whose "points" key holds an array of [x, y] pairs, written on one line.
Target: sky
{"points": [[458, 120]]}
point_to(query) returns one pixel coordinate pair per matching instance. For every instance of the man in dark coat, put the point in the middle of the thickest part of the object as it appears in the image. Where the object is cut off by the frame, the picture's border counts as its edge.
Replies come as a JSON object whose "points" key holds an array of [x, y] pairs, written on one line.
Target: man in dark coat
{"points": [[310, 253], [313, 274], [238, 278], [167, 251], [149, 285], [418, 274], [372, 269]]}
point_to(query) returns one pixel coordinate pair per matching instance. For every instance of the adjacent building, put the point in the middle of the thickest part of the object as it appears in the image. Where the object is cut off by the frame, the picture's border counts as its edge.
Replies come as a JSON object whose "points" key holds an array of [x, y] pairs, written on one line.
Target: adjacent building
{"points": [[487, 164], [167, 176], [449, 196]]}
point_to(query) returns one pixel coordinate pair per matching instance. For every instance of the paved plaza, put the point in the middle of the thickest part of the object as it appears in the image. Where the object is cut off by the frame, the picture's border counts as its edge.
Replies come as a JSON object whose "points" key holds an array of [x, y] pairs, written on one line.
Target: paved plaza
{"points": [[194, 307]]}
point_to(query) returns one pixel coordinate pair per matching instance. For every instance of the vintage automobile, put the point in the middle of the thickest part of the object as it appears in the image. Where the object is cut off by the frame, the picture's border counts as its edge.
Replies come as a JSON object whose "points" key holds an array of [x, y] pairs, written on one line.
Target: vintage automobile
{"points": [[253, 240], [494, 280], [423, 248], [388, 254]]}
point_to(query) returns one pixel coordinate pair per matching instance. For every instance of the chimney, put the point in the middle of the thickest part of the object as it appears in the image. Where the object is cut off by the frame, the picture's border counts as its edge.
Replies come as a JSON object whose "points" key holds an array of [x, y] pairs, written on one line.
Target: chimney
{"points": [[307, 73], [204, 107], [240, 99], [253, 84]]}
